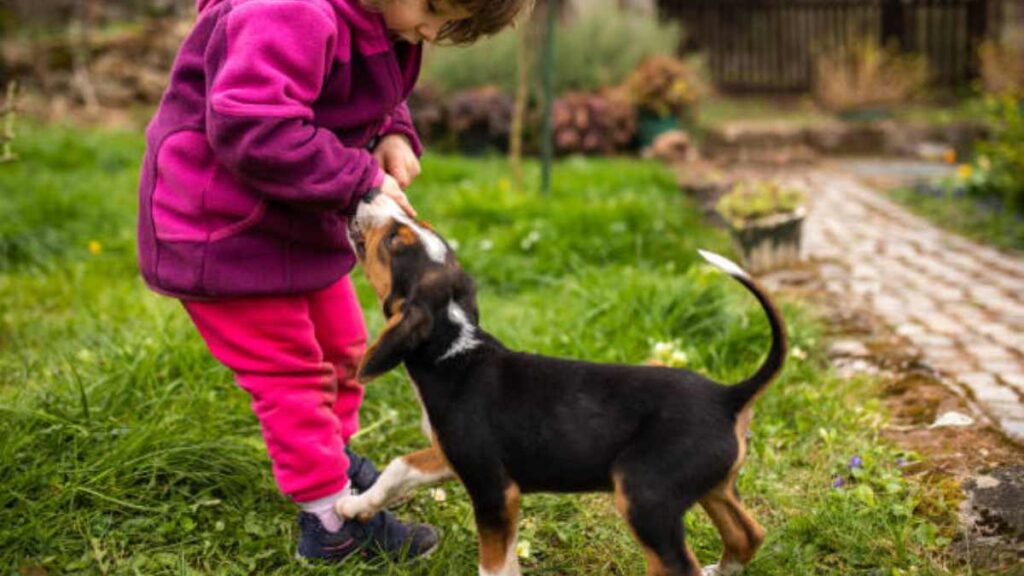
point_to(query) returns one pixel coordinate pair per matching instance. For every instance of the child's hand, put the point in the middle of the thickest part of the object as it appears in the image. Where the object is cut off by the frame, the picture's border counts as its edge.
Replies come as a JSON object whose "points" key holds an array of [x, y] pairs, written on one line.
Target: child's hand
{"points": [[395, 156], [392, 190]]}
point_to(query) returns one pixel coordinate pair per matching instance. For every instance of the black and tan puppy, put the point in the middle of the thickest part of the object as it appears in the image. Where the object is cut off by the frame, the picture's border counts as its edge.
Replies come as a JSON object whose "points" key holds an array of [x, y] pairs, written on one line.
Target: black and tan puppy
{"points": [[507, 423]]}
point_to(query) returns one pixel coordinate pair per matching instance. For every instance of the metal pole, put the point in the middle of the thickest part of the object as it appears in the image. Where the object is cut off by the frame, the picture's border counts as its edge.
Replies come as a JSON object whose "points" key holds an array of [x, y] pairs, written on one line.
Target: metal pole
{"points": [[546, 149]]}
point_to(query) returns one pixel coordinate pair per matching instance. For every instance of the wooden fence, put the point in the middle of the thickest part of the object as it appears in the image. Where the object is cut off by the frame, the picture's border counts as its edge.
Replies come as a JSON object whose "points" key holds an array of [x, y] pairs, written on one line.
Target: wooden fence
{"points": [[771, 45]]}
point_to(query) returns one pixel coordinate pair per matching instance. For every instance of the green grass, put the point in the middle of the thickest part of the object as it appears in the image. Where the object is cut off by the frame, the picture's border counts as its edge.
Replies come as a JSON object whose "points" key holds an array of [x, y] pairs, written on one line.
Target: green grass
{"points": [[126, 449], [963, 215]]}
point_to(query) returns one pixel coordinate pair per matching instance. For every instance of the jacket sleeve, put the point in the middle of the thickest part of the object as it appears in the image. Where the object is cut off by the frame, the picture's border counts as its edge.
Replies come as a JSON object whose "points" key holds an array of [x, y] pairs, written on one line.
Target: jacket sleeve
{"points": [[400, 122], [259, 113]]}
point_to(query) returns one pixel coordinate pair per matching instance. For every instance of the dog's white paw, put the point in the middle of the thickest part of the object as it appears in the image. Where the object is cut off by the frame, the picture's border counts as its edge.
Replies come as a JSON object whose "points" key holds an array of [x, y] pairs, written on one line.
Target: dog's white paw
{"points": [[358, 507], [716, 570]]}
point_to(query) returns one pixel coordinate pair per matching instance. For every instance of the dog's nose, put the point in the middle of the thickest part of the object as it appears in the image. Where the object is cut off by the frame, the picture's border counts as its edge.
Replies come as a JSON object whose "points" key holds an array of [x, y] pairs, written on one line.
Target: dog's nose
{"points": [[371, 195]]}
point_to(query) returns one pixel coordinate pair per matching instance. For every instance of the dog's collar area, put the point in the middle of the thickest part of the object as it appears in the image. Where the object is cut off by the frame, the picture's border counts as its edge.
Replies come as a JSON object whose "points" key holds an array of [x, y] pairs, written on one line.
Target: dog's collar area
{"points": [[466, 339]]}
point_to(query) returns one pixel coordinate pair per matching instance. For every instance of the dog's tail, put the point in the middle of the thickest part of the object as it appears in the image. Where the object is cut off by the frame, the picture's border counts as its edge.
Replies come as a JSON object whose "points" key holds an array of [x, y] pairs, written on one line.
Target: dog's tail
{"points": [[743, 393]]}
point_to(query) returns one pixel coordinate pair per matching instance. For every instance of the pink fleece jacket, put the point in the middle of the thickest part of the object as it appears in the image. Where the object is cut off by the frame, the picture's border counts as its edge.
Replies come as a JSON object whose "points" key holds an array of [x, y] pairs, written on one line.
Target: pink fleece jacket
{"points": [[260, 146]]}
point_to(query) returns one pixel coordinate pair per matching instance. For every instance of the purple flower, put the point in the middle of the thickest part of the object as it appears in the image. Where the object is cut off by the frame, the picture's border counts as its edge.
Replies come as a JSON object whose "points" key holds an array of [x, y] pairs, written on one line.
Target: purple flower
{"points": [[838, 482], [855, 462], [901, 462]]}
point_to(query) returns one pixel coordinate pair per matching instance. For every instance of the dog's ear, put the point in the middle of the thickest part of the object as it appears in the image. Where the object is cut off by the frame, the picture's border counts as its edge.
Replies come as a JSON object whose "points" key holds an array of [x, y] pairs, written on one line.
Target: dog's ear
{"points": [[404, 332]]}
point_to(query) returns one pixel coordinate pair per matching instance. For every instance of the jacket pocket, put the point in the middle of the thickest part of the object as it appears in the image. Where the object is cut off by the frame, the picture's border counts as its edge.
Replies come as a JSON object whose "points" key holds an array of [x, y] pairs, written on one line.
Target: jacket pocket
{"points": [[196, 199]]}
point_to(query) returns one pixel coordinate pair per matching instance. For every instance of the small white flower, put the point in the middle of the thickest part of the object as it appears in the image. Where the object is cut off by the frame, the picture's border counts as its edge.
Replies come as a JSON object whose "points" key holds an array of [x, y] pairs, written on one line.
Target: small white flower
{"points": [[679, 358], [530, 241], [438, 494], [663, 349], [798, 353]]}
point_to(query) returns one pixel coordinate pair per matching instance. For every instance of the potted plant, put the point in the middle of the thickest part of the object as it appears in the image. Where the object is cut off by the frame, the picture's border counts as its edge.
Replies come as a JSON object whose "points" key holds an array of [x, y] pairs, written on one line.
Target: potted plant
{"points": [[766, 221], [665, 91]]}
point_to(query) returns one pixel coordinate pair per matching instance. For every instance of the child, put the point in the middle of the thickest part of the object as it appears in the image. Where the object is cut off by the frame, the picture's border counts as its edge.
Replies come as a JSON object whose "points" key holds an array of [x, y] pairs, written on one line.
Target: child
{"points": [[280, 116]]}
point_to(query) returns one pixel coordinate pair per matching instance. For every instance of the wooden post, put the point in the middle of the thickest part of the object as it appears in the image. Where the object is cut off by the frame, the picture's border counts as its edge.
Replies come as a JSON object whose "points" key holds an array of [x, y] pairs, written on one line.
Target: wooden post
{"points": [[548, 75], [9, 113]]}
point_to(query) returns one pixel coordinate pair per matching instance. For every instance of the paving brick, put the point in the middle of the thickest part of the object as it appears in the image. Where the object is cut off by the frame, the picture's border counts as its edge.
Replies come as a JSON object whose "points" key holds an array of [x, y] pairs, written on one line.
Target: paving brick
{"points": [[1014, 380], [929, 340], [986, 389], [942, 324], [948, 360], [1013, 427], [989, 352]]}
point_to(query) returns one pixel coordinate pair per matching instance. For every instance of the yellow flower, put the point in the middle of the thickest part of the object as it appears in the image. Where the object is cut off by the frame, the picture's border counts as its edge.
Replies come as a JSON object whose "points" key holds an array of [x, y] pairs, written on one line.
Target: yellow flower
{"points": [[95, 247], [964, 171], [523, 549]]}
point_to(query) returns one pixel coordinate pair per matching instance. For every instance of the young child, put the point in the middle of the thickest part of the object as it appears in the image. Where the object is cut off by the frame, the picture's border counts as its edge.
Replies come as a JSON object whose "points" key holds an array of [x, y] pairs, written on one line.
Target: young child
{"points": [[280, 116]]}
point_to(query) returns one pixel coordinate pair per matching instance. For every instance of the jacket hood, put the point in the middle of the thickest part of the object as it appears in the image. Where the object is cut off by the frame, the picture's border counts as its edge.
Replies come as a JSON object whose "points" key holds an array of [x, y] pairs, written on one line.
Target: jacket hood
{"points": [[204, 4]]}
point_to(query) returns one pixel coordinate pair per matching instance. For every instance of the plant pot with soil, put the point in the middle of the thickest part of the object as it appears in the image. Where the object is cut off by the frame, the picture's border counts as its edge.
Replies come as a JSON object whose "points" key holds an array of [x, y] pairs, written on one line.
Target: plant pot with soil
{"points": [[766, 222]]}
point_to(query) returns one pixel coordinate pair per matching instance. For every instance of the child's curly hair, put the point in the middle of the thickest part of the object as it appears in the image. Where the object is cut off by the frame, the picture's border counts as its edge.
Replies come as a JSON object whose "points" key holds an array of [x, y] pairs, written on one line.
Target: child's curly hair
{"points": [[488, 17]]}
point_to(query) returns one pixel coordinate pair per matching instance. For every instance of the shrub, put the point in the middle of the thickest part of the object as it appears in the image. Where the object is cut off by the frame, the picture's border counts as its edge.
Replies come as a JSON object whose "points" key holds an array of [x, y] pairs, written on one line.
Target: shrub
{"points": [[480, 119], [598, 48], [755, 199], [998, 170], [1002, 68], [665, 86], [866, 75], [428, 113], [592, 123]]}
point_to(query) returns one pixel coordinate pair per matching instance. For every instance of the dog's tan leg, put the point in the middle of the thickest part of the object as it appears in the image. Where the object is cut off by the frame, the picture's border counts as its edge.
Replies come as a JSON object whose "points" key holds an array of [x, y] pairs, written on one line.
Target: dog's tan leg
{"points": [[400, 477], [498, 534], [741, 534]]}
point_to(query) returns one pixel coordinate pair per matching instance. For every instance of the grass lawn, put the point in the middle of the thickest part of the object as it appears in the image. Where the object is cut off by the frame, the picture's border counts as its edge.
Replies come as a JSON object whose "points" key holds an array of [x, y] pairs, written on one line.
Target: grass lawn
{"points": [[964, 215], [126, 449]]}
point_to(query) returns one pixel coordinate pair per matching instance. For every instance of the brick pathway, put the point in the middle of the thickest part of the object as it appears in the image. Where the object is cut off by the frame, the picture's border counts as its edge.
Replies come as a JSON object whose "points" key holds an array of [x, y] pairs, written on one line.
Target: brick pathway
{"points": [[960, 303]]}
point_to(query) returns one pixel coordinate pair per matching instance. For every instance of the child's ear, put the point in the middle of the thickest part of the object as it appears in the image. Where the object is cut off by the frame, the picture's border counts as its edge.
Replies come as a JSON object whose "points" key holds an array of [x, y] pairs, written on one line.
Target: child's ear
{"points": [[404, 332]]}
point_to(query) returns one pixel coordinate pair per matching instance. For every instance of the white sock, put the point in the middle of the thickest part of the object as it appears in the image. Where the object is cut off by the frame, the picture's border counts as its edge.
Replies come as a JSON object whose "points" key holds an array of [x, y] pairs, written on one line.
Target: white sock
{"points": [[323, 508]]}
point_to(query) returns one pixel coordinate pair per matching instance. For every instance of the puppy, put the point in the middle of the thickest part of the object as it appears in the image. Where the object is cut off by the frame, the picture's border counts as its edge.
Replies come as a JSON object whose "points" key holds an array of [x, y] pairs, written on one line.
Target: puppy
{"points": [[508, 423]]}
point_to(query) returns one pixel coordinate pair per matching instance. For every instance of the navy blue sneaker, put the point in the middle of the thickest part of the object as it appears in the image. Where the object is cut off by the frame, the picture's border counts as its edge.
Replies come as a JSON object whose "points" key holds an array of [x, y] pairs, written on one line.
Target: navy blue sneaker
{"points": [[361, 472], [383, 535]]}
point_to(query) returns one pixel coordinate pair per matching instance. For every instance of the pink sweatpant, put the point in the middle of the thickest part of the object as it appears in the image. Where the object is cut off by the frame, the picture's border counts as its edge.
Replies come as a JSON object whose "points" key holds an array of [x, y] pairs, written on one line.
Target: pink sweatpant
{"points": [[297, 356]]}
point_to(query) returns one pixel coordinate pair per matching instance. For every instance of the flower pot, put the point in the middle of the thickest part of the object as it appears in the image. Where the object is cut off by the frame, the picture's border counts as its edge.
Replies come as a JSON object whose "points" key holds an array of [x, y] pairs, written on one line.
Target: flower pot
{"points": [[870, 114], [650, 126], [771, 242]]}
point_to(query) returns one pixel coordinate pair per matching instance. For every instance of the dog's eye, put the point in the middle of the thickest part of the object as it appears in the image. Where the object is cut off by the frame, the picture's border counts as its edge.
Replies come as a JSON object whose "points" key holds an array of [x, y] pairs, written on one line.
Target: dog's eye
{"points": [[392, 236]]}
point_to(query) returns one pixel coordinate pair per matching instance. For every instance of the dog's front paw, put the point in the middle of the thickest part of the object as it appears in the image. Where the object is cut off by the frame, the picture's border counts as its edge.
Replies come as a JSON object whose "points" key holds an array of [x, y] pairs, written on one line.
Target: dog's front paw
{"points": [[718, 570], [358, 507]]}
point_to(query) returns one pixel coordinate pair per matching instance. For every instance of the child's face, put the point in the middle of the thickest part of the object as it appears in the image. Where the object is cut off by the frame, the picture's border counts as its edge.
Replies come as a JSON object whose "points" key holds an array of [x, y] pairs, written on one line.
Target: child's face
{"points": [[417, 20]]}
